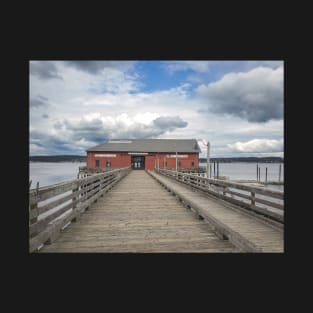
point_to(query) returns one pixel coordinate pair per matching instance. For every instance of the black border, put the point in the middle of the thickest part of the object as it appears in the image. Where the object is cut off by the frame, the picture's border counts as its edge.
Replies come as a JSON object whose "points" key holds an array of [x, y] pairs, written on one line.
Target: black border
{"points": [[209, 265]]}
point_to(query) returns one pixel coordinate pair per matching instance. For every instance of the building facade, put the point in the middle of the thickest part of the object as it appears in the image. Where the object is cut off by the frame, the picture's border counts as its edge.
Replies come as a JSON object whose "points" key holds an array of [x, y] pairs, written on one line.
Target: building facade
{"points": [[145, 154]]}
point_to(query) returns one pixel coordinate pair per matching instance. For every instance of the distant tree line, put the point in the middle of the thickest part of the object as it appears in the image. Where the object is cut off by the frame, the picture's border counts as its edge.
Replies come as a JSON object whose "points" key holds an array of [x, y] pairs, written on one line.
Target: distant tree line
{"points": [[246, 159], [57, 158], [80, 158]]}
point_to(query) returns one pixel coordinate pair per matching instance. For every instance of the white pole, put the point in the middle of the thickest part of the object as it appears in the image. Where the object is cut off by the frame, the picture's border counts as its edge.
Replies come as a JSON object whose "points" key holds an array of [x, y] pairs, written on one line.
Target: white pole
{"points": [[208, 160]]}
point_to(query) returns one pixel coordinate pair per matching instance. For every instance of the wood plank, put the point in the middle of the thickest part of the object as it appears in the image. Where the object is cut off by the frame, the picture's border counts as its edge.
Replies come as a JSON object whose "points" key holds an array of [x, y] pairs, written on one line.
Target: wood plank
{"points": [[53, 204], [42, 224], [246, 232], [138, 215], [279, 217], [45, 193], [47, 229], [239, 194], [267, 192], [56, 189], [51, 231], [270, 203]]}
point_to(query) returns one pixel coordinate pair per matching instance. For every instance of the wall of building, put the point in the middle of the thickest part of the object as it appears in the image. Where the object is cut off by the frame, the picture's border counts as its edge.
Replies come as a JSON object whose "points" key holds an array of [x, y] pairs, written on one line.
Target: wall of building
{"points": [[149, 162], [123, 159], [168, 160]]}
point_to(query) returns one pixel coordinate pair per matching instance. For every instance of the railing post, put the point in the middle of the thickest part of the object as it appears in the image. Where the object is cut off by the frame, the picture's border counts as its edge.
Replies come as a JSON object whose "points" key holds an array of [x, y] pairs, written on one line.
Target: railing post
{"points": [[74, 200], [257, 172], [84, 188], [224, 190], [34, 206], [252, 198], [101, 183]]}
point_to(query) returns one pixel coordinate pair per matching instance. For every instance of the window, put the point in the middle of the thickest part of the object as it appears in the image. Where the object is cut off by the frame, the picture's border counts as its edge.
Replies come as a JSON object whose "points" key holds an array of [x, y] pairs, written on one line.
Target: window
{"points": [[97, 163], [192, 164], [108, 164]]}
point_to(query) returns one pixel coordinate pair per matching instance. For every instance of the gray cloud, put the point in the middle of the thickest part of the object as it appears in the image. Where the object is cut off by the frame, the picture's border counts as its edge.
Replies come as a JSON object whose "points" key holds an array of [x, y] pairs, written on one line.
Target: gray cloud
{"points": [[84, 133], [92, 131], [45, 116], [44, 70], [58, 125], [53, 144], [95, 130], [38, 101], [94, 67], [256, 96], [169, 122]]}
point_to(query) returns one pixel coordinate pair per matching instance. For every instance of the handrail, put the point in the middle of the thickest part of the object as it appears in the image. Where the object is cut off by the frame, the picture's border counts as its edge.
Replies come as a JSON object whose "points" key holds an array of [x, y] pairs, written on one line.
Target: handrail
{"points": [[270, 202], [52, 208]]}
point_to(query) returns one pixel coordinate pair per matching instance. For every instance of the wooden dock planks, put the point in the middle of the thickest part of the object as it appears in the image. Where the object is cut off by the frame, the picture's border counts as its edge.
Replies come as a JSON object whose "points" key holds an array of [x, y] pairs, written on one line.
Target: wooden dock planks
{"points": [[138, 215], [247, 232]]}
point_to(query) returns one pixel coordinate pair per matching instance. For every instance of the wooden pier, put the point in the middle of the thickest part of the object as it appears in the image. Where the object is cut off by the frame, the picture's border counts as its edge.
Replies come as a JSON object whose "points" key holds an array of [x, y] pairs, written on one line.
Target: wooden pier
{"points": [[157, 211]]}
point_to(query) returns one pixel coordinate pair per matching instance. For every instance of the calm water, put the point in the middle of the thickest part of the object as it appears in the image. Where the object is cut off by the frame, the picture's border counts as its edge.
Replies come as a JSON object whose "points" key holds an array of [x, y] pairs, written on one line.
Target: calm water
{"points": [[247, 170], [52, 173], [242, 170]]}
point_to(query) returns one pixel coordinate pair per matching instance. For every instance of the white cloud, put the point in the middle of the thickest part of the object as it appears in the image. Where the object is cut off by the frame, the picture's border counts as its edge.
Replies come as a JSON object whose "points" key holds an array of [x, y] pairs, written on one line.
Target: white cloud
{"points": [[203, 146], [83, 86], [258, 145], [115, 81], [145, 118], [267, 63], [80, 116]]}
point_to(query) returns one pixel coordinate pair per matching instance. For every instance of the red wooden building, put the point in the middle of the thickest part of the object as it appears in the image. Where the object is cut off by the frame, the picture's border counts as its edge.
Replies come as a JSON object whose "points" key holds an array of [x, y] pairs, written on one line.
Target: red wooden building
{"points": [[145, 154]]}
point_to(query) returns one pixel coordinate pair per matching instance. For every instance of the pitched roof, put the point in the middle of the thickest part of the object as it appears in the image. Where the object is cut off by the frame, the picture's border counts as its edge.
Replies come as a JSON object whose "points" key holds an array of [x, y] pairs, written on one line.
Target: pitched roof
{"points": [[149, 145]]}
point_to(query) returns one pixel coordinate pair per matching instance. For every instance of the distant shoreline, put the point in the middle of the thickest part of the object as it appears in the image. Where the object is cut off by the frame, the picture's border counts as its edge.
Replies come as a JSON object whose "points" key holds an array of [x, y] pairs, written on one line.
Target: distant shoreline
{"points": [[245, 159], [57, 158], [80, 158]]}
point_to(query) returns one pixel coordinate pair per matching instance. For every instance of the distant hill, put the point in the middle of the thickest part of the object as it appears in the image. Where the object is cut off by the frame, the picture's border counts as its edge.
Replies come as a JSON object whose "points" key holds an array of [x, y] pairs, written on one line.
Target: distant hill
{"points": [[57, 158], [246, 159]]}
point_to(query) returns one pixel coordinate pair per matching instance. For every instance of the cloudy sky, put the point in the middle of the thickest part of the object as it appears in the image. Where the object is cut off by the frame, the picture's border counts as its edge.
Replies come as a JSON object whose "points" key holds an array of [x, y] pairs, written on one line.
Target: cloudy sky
{"points": [[235, 105]]}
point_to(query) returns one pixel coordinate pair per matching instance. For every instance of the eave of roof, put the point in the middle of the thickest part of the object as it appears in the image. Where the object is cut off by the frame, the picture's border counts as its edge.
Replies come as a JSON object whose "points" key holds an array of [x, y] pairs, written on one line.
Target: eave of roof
{"points": [[148, 145]]}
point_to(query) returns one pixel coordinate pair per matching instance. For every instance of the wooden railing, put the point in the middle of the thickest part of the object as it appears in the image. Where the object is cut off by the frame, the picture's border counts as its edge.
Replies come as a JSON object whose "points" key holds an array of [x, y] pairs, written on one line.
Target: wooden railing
{"points": [[95, 170], [267, 202], [199, 170], [52, 208]]}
